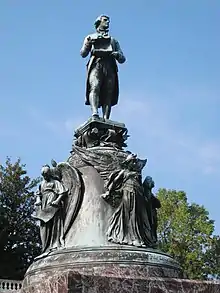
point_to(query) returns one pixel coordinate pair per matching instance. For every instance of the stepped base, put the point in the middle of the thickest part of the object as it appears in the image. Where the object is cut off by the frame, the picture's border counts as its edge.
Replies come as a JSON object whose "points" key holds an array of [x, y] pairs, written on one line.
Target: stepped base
{"points": [[68, 265], [110, 269], [74, 282]]}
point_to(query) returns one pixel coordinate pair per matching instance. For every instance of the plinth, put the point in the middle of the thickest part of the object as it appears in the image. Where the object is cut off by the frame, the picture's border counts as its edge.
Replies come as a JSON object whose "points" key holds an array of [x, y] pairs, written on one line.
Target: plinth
{"points": [[110, 270], [90, 262]]}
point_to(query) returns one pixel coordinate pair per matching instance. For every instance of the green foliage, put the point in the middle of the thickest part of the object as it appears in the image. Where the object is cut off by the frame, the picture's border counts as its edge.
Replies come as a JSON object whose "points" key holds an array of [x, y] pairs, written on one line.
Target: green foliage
{"points": [[19, 235], [212, 258], [186, 232]]}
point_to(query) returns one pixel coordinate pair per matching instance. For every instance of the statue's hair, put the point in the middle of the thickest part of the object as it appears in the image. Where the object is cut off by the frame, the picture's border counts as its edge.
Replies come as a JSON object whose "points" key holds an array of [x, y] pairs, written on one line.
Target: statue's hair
{"points": [[43, 171], [46, 166], [147, 180], [98, 20], [130, 157]]}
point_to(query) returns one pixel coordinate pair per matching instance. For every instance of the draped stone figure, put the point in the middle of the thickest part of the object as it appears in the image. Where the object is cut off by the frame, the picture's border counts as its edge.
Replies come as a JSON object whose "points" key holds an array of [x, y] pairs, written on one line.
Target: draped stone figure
{"points": [[102, 88], [57, 203], [152, 204], [49, 197], [129, 223]]}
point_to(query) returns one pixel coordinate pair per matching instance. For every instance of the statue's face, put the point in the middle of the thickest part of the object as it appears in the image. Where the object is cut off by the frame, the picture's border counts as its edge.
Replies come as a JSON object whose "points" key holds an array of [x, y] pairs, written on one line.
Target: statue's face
{"points": [[150, 182], [46, 173], [104, 23], [132, 165]]}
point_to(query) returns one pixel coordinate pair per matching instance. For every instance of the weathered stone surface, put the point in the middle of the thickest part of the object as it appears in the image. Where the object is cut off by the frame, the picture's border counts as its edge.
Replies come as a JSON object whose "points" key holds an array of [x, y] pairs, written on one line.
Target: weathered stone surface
{"points": [[90, 225], [97, 260], [113, 280], [61, 269]]}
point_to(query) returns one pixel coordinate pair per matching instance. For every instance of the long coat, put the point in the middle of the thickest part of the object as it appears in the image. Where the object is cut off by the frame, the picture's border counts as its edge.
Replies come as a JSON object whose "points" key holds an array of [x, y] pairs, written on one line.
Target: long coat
{"points": [[86, 48]]}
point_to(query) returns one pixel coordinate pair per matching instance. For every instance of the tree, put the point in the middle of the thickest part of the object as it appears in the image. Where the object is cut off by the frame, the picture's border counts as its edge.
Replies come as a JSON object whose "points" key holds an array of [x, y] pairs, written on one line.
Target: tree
{"points": [[186, 232], [19, 236], [212, 258]]}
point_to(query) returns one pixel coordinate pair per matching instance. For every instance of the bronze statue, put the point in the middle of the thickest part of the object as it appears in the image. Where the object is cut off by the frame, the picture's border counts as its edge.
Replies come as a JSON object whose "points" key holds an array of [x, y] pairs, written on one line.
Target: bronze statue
{"points": [[49, 196], [58, 200], [102, 77], [152, 204], [129, 223]]}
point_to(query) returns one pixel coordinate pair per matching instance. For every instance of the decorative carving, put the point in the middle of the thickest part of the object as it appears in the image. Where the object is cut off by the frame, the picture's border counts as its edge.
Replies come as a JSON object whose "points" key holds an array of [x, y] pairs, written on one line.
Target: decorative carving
{"points": [[102, 81], [97, 132], [129, 223], [58, 200], [104, 159], [152, 204], [134, 219]]}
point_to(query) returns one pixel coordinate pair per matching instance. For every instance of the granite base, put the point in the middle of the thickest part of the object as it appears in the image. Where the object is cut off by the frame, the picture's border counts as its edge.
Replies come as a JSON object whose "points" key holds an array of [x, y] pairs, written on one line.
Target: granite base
{"points": [[110, 269], [77, 267], [74, 282]]}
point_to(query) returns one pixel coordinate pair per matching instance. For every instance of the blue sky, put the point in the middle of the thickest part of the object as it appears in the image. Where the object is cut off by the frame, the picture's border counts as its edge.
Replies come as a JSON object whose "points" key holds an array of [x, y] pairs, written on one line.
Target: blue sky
{"points": [[169, 86]]}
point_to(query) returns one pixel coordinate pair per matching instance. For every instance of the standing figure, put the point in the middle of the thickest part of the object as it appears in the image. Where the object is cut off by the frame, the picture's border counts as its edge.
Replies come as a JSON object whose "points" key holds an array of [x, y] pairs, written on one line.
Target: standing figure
{"points": [[127, 223], [152, 204], [102, 87], [49, 210]]}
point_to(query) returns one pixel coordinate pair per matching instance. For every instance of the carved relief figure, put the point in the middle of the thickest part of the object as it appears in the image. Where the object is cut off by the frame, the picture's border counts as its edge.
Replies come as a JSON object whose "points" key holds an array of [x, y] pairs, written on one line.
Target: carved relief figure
{"points": [[49, 211], [152, 204], [102, 88], [125, 190], [57, 203]]}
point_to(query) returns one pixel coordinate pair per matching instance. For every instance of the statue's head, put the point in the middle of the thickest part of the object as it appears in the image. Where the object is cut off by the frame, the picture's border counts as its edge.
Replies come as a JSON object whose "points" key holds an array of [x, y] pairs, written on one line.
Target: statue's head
{"points": [[149, 182], [102, 23], [130, 161], [46, 172]]}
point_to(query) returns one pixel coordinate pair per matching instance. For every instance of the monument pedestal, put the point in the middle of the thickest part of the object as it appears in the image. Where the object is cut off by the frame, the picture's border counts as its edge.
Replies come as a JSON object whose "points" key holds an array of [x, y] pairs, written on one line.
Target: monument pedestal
{"points": [[90, 261], [78, 267], [74, 282], [110, 270], [100, 132]]}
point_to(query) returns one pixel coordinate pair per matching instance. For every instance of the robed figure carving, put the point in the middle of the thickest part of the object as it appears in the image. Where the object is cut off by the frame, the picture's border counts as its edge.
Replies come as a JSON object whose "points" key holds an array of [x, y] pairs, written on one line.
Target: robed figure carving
{"points": [[58, 200], [152, 204], [102, 87], [129, 223]]}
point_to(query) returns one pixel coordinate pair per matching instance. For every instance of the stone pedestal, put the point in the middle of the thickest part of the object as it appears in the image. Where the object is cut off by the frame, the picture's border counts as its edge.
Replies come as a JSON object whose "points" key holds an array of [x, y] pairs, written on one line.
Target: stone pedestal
{"points": [[90, 262], [100, 132], [74, 269], [109, 279]]}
